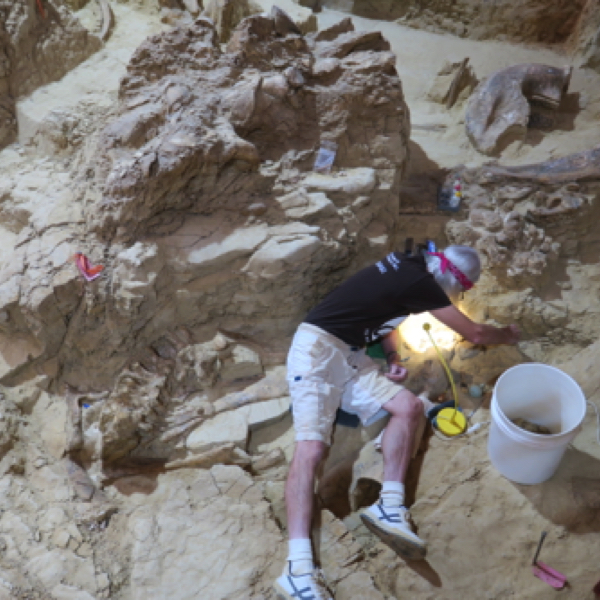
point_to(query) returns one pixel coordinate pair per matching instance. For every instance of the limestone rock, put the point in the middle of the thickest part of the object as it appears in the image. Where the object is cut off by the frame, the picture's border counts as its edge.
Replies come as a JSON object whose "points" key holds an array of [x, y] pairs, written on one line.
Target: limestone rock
{"points": [[273, 385], [587, 37], [518, 20], [60, 131], [221, 454], [45, 542], [592, 53], [352, 41], [125, 414], [226, 427], [268, 460], [338, 551], [525, 221], [454, 83], [36, 49], [227, 14], [282, 253], [243, 363], [248, 116], [283, 23], [353, 182], [332, 32], [8, 121], [196, 368], [301, 16], [521, 231], [9, 418], [199, 508], [448, 486], [220, 342], [307, 207], [53, 414], [358, 585], [263, 414], [366, 477], [234, 426]]}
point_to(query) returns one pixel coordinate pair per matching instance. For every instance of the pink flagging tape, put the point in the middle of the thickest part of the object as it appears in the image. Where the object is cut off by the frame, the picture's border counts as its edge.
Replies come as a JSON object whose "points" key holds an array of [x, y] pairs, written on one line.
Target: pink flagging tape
{"points": [[86, 268]]}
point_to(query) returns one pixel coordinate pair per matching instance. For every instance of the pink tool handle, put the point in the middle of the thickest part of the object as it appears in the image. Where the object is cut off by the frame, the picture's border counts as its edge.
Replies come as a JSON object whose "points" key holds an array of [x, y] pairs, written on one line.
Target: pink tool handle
{"points": [[549, 575]]}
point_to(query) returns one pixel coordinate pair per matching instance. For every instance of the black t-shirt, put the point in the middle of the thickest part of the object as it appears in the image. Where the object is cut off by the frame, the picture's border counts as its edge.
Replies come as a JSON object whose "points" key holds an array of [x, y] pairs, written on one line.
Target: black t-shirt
{"points": [[374, 301]]}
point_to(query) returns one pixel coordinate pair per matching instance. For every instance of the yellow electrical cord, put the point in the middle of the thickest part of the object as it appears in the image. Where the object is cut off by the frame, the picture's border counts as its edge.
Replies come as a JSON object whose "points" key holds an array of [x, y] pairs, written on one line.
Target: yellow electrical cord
{"points": [[459, 426]]}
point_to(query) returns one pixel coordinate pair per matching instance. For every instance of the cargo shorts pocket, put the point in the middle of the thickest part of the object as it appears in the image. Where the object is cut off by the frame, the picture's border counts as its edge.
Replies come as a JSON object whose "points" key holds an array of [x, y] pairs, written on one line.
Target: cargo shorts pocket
{"points": [[314, 405], [307, 355]]}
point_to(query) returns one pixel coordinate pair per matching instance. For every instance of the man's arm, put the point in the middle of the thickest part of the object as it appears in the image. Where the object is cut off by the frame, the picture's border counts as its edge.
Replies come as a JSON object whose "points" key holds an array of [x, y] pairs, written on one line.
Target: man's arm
{"points": [[476, 333], [390, 344]]}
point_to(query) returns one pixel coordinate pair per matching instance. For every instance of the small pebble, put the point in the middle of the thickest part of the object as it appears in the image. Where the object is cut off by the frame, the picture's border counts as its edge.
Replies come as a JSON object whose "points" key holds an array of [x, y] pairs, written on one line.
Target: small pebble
{"points": [[475, 391]]}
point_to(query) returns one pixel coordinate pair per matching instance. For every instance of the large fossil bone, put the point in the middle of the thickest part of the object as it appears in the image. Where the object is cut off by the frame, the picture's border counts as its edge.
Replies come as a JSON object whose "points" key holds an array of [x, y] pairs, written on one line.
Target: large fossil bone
{"points": [[499, 107], [581, 166]]}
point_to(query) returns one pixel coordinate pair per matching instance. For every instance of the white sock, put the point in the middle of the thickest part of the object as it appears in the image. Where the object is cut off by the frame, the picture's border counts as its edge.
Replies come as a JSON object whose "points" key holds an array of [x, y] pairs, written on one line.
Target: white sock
{"points": [[300, 556], [427, 403], [392, 494]]}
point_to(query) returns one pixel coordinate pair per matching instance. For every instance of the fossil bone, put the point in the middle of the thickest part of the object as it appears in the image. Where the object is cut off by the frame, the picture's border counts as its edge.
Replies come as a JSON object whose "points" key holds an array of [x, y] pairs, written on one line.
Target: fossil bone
{"points": [[500, 104]]}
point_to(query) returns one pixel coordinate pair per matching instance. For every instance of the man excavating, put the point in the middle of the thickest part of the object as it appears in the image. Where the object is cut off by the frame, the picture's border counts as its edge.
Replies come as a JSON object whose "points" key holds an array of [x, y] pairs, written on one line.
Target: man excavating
{"points": [[328, 369]]}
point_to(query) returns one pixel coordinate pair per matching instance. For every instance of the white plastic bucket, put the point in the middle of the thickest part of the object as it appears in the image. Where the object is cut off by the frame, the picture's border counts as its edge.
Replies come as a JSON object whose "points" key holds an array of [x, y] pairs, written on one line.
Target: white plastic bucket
{"points": [[543, 395]]}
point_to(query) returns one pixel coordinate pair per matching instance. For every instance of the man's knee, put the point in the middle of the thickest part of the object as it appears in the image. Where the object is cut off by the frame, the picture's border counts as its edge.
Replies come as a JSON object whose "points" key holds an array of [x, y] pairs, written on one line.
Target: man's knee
{"points": [[405, 405], [309, 453]]}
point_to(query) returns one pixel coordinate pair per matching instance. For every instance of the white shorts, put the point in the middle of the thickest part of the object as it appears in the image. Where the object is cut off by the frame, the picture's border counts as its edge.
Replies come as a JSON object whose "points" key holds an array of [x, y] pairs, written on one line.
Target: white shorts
{"points": [[325, 374]]}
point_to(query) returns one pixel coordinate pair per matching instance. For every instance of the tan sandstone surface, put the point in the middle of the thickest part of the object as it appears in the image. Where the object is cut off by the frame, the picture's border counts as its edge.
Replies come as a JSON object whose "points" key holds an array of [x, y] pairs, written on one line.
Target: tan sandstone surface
{"points": [[145, 415]]}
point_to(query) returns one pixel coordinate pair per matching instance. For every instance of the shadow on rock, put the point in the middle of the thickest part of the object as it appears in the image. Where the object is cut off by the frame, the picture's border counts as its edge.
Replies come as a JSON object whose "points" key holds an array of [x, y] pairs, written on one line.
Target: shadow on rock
{"points": [[572, 496], [135, 476], [419, 189], [426, 571]]}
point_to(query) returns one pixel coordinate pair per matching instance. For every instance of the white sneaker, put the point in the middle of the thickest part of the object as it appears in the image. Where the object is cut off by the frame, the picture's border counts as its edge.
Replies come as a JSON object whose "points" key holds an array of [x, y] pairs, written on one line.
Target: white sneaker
{"points": [[310, 586], [392, 525]]}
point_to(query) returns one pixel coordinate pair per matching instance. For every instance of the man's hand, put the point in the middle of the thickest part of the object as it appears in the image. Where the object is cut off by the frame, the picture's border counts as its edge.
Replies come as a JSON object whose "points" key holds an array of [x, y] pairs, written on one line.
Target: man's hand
{"points": [[391, 343], [397, 373], [513, 334]]}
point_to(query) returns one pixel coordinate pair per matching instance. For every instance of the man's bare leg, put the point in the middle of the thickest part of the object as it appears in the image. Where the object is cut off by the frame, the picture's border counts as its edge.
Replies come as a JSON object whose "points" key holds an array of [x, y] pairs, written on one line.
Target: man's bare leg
{"points": [[388, 518], [398, 438], [299, 578], [299, 490]]}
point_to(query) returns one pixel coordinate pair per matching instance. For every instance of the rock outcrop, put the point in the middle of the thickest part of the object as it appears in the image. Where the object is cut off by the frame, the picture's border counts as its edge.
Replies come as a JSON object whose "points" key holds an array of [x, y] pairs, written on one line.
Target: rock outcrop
{"points": [[39, 43], [200, 201], [227, 15], [300, 12], [534, 225], [586, 39], [518, 20], [203, 199], [455, 82], [519, 220]]}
